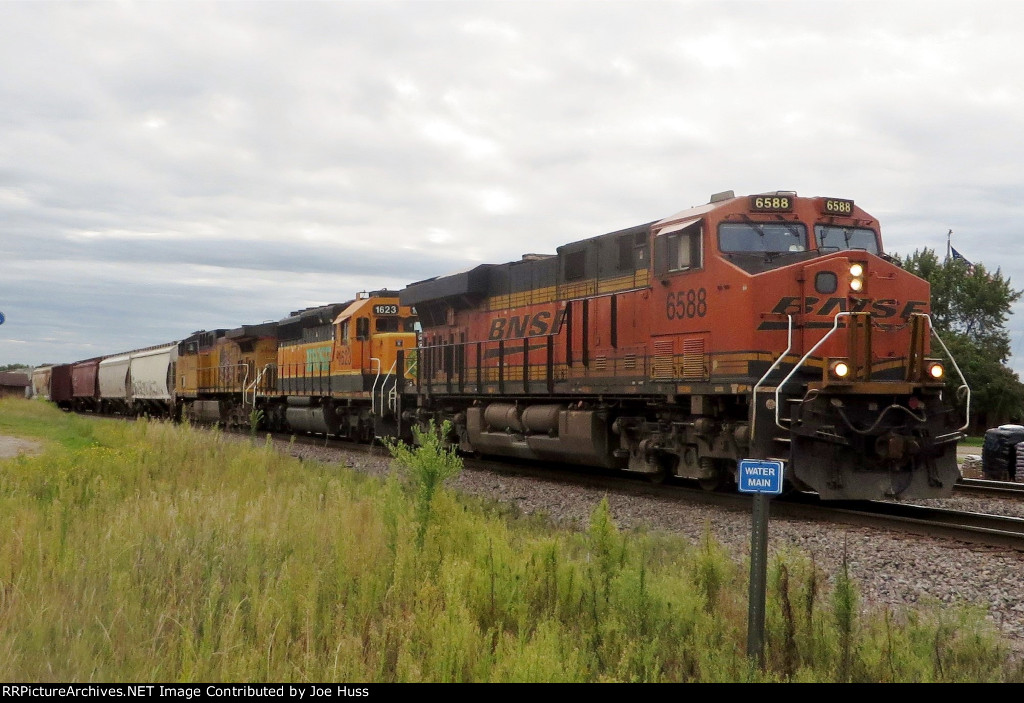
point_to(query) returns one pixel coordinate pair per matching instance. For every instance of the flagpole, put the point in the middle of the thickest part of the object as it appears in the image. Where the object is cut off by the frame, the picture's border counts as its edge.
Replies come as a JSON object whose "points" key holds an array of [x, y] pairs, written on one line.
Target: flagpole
{"points": [[949, 245]]}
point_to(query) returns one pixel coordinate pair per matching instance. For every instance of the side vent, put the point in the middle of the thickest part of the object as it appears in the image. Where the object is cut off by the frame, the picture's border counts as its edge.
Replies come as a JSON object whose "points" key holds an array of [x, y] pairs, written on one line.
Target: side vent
{"points": [[663, 360], [693, 358]]}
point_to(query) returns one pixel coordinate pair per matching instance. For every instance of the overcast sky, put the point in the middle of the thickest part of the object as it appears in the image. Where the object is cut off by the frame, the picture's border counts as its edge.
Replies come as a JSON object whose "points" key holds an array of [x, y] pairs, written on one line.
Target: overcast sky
{"points": [[173, 166]]}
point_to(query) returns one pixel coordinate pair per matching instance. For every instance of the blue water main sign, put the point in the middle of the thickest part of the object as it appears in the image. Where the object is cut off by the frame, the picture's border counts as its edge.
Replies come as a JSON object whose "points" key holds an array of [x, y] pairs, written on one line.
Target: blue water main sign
{"points": [[760, 476]]}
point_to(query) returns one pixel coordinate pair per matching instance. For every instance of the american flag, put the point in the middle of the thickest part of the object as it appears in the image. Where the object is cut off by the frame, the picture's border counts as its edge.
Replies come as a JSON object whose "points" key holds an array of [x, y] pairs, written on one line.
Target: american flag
{"points": [[958, 255]]}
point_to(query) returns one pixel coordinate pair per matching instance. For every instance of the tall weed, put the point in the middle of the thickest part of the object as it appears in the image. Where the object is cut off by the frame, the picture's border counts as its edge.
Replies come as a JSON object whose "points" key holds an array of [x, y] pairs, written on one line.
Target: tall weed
{"points": [[428, 464]]}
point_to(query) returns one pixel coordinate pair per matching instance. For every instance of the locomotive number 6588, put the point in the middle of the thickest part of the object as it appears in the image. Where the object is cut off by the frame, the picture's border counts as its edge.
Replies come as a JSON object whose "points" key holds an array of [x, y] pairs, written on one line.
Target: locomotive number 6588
{"points": [[686, 304]]}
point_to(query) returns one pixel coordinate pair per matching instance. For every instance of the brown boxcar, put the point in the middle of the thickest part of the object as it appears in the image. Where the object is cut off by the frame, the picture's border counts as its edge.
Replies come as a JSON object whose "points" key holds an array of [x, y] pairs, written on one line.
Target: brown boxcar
{"points": [[85, 388], [60, 386]]}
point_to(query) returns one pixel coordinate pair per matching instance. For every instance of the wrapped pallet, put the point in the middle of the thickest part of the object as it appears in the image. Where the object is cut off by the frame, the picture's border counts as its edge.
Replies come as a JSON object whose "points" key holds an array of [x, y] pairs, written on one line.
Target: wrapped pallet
{"points": [[999, 454]]}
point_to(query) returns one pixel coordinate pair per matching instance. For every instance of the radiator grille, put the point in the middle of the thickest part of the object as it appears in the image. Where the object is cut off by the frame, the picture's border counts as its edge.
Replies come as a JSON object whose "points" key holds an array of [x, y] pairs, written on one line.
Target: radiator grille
{"points": [[693, 358], [663, 359]]}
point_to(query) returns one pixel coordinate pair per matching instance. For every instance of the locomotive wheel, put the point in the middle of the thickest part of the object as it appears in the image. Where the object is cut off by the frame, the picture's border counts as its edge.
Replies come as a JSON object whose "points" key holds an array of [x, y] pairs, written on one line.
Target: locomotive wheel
{"points": [[659, 477], [717, 480], [711, 484], [666, 470]]}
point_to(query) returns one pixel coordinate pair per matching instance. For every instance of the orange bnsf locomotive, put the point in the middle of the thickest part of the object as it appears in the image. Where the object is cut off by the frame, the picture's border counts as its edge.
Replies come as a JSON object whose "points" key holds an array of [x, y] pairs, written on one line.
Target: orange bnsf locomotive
{"points": [[764, 327]]}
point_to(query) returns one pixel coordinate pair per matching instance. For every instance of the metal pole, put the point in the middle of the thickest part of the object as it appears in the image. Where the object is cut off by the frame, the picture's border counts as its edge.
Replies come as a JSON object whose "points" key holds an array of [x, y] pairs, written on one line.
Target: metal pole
{"points": [[758, 577]]}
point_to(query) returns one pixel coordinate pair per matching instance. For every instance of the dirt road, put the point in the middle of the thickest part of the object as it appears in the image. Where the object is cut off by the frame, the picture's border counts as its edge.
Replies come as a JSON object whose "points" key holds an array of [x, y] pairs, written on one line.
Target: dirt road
{"points": [[13, 446]]}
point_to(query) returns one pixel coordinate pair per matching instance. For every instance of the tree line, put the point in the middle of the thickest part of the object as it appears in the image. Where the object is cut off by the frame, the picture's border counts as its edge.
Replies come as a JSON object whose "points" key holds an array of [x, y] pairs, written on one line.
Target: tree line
{"points": [[970, 308]]}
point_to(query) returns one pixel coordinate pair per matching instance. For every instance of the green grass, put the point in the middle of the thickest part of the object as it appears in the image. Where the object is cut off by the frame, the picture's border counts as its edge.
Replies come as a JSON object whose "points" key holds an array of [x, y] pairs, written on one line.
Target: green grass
{"points": [[36, 419], [152, 552]]}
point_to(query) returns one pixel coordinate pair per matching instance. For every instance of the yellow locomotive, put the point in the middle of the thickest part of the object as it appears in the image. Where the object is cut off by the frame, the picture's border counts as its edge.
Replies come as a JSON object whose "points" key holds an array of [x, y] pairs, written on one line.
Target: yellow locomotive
{"points": [[331, 369]]}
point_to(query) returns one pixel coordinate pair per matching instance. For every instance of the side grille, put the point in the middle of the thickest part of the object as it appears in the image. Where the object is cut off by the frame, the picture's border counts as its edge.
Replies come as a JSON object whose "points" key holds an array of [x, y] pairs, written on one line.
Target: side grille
{"points": [[663, 360]]}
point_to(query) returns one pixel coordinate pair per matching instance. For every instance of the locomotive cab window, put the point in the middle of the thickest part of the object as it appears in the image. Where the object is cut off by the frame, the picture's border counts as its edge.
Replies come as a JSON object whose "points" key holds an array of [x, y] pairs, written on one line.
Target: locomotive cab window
{"points": [[835, 238], [680, 251], [387, 324], [762, 237]]}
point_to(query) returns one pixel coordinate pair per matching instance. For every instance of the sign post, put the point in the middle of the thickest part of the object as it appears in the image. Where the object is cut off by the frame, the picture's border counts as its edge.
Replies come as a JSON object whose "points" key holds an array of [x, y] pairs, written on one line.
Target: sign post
{"points": [[763, 478]]}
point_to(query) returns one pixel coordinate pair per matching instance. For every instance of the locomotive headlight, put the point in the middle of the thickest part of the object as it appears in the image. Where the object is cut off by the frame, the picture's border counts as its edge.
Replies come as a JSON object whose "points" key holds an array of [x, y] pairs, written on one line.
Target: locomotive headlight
{"points": [[856, 277], [935, 371], [839, 368]]}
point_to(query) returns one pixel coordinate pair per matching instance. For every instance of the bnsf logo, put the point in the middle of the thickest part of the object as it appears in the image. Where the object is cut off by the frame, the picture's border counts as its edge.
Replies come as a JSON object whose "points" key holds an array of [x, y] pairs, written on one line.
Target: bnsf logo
{"points": [[318, 359], [790, 305], [535, 325]]}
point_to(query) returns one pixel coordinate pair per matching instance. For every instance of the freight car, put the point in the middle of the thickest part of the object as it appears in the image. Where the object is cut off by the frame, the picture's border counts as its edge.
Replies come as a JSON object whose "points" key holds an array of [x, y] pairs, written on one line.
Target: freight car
{"points": [[769, 326], [138, 382], [52, 382], [60, 386], [85, 390], [40, 381]]}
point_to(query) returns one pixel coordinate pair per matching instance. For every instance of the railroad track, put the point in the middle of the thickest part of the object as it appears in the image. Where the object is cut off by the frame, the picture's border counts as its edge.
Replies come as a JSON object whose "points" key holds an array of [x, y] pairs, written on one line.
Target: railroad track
{"points": [[973, 528], [985, 487]]}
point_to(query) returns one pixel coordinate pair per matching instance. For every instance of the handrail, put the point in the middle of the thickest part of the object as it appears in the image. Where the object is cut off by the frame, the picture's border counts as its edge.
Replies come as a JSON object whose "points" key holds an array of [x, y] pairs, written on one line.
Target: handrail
{"points": [[373, 405], [789, 345], [963, 381], [385, 384], [218, 385], [835, 326], [796, 367], [259, 377]]}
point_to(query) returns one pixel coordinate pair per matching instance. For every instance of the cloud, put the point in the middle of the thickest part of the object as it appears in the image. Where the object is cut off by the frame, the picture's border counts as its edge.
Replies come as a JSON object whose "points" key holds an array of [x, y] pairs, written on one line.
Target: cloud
{"points": [[168, 166]]}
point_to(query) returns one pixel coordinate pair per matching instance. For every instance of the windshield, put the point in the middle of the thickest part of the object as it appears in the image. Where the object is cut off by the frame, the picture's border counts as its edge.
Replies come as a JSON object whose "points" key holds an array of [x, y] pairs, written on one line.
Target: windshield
{"points": [[757, 237], [840, 238]]}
